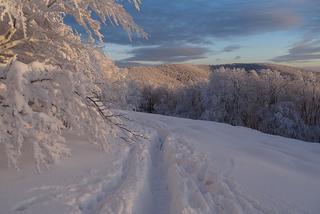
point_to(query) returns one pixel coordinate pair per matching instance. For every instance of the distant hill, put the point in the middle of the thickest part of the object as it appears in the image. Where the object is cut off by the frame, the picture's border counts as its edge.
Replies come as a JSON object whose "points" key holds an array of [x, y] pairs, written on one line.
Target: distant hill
{"points": [[289, 71], [245, 66], [315, 69], [179, 75], [170, 75]]}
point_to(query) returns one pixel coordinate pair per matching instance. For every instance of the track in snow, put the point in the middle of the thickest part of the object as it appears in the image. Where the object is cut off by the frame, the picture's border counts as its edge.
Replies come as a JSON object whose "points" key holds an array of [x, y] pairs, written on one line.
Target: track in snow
{"points": [[158, 180], [179, 178]]}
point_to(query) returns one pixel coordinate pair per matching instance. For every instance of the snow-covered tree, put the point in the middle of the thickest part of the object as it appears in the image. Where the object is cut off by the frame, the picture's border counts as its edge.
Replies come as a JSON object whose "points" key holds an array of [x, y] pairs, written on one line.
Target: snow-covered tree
{"points": [[269, 100], [52, 78]]}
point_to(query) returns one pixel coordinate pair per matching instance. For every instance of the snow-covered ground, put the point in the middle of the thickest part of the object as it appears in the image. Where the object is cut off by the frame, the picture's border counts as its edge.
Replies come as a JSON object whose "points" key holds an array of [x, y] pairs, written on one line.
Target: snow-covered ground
{"points": [[184, 166]]}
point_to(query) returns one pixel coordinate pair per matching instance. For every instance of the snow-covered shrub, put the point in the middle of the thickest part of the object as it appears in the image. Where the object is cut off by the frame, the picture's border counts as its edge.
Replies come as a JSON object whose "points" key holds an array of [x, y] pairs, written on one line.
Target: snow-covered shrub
{"points": [[133, 96], [281, 119]]}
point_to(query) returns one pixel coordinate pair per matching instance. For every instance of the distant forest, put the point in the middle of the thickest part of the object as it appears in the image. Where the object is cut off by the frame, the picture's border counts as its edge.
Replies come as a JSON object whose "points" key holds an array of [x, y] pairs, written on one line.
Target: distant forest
{"points": [[276, 100]]}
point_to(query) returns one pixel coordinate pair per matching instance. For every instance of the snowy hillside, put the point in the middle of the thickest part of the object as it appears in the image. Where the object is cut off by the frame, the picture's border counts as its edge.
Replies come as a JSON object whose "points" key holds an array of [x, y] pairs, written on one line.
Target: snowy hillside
{"points": [[172, 76], [183, 166]]}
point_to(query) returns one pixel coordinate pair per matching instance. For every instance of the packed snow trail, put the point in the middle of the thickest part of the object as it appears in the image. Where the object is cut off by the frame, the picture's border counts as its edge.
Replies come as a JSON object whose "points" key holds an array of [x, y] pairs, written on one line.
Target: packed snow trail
{"points": [[158, 180], [184, 166]]}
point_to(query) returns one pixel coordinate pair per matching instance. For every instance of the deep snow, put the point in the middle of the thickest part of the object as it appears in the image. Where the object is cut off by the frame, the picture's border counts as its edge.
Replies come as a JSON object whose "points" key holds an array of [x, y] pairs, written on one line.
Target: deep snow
{"points": [[185, 166]]}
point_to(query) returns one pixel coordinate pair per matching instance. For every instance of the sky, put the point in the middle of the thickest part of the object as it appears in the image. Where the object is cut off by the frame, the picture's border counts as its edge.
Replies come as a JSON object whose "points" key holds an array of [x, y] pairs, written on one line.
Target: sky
{"points": [[221, 31]]}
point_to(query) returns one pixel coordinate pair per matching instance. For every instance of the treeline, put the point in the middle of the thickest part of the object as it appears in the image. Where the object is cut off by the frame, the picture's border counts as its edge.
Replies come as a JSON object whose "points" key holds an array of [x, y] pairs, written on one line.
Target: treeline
{"points": [[280, 103]]}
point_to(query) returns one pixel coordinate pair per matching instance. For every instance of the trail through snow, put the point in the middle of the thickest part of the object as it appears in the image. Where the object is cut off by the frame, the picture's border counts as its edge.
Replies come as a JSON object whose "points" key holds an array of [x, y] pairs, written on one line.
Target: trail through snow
{"points": [[184, 166], [158, 181]]}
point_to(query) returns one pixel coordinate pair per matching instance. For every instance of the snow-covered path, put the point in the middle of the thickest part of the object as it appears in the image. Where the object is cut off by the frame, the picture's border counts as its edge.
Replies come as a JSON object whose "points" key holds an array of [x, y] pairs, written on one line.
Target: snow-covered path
{"points": [[158, 180], [185, 166]]}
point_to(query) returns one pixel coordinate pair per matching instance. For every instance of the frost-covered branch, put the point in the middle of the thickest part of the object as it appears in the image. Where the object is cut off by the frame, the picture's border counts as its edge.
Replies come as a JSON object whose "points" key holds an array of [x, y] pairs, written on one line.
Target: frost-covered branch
{"points": [[35, 29], [113, 119]]}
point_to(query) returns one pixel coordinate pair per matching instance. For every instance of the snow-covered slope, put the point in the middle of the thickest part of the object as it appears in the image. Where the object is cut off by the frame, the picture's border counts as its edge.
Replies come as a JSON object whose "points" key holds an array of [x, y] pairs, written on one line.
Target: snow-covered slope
{"points": [[184, 166]]}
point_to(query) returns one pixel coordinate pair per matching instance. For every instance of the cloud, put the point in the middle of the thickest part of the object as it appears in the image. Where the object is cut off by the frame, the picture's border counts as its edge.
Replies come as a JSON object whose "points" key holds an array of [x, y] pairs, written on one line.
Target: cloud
{"points": [[306, 50], [231, 48], [167, 54], [237, 57], [200, 21], [297, 58]]}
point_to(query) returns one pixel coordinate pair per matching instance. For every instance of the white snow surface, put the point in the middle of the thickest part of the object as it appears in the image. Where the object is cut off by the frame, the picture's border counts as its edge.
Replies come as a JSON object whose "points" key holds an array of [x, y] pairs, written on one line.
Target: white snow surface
{"points": [[184, 166]]}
